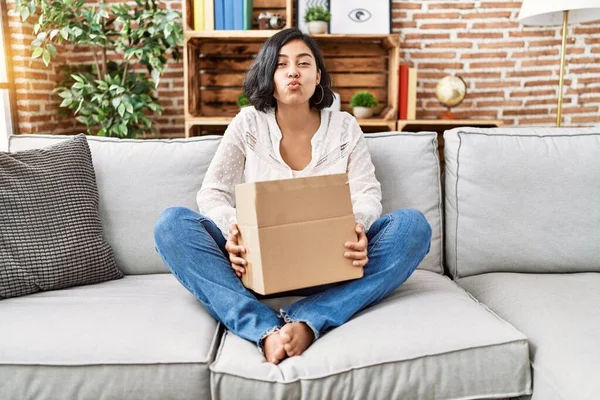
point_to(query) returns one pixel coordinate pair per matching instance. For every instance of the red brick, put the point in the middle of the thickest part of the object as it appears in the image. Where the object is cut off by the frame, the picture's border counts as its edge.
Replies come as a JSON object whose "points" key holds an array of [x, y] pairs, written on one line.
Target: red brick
{"points": [[495, 4], [497, 64], [501, 45], [528, 73], [431, 15], [496, 25], [496, 84], [530, 33], [481, 55], [538, 121], [441, 66], [406, 6], [445, 25], [547, 82], [433, 55], [426, 36], [478, 35], [487, 15], [455, 4], [591, 119], [449, 45]]}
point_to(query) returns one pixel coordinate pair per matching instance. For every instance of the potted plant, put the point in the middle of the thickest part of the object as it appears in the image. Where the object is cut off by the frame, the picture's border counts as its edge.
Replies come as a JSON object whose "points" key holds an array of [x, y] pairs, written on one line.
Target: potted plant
{"points": [[362, 104], [317, 19], [242, 100], [110, 98]]}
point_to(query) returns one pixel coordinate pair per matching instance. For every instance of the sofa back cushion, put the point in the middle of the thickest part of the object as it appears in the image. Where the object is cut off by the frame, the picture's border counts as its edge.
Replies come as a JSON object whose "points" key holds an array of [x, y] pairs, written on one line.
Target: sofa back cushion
{"points": [[138, 179], [522, 200], [407, 166]]}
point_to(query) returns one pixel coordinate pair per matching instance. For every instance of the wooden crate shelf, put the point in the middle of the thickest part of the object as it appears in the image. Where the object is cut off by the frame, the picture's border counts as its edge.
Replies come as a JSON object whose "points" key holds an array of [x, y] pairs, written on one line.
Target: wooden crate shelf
{"points": [[215, 64]]}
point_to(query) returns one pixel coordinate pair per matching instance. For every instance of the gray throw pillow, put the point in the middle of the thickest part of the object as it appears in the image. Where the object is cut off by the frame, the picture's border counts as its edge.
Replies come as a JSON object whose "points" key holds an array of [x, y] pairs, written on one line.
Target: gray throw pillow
{"points": [[51, 236]]}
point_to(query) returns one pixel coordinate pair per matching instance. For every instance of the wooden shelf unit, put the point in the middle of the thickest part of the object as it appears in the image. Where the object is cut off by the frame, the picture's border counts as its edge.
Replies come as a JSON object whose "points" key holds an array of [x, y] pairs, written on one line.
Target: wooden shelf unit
{"points": [[215, 63]]}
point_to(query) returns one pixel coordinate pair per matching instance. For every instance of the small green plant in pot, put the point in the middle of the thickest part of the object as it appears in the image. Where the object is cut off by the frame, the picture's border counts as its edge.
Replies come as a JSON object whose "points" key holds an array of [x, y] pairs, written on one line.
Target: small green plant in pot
{"points": [[362, 104], [317, 19], [242, 100]]}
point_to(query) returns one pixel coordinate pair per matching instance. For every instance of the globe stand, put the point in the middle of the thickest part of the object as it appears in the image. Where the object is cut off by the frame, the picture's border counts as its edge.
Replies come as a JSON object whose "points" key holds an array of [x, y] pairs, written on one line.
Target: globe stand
{"points": [[447, 115]]}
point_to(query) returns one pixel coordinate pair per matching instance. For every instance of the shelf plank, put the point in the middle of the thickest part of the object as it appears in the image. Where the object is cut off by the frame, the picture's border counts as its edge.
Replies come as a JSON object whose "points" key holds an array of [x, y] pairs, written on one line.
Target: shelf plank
{"points": [[402, 123], [266, 33]]}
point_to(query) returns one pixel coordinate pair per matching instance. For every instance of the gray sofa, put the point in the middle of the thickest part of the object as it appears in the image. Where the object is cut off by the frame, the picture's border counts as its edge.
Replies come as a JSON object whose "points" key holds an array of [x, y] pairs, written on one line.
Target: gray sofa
{"points": [[503, 306]]}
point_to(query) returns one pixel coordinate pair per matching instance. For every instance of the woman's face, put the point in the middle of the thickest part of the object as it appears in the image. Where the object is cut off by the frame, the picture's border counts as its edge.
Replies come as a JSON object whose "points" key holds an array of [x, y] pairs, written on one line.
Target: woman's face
{"points": [[296, 75]]}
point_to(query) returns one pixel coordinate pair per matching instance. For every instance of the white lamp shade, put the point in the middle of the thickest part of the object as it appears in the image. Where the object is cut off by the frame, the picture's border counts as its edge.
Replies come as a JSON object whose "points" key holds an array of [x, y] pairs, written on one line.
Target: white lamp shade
{"points": [[550, 12]]}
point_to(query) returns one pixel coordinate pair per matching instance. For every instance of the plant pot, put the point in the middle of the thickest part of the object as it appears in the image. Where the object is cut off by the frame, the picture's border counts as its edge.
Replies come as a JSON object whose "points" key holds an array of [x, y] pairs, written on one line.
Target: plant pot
{"points": [[317, 27], [362, 112]]}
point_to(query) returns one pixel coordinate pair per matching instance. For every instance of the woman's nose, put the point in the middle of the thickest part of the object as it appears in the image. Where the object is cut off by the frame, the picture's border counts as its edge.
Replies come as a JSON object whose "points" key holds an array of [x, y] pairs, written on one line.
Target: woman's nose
{"points": [[292, 72]]}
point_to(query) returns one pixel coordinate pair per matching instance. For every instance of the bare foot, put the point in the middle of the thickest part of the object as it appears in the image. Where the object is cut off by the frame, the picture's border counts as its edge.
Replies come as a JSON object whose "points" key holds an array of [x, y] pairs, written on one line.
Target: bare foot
{"points": [[296, 337], [273, 347]]}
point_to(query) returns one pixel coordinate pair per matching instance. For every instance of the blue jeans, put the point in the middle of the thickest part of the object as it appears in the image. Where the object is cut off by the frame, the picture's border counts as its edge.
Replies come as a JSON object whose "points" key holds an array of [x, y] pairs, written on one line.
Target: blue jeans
{"points": [[193, 248]]}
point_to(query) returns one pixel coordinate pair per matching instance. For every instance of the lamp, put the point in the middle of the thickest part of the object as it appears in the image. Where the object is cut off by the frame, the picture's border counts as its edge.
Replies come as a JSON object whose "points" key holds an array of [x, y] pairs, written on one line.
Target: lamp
{"points": [[555, 12]]}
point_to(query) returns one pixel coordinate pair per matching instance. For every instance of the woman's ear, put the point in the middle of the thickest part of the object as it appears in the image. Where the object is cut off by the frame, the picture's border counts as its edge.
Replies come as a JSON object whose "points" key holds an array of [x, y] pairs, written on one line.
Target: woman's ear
{"points": [[318, 76]]}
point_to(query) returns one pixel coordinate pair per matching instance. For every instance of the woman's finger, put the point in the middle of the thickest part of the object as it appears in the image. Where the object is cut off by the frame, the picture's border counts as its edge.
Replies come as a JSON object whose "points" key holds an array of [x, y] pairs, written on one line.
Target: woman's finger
{"points": [[361, 263], [355, 255], [237, 260], [238, 269], [357, 246]]}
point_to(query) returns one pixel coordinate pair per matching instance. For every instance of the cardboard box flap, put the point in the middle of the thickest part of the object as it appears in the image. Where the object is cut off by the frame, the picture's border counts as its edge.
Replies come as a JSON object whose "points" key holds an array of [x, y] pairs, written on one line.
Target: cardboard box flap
{"points": [[288, 201]]}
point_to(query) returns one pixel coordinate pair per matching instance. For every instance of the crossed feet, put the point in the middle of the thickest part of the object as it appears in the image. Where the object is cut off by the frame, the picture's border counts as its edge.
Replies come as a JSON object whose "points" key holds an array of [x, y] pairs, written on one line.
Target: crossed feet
{"points": [[291, 340]]}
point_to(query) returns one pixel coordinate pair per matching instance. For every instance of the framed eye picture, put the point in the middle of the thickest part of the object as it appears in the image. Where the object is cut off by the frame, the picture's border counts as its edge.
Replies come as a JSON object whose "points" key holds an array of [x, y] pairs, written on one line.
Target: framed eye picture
{"points": [[360, 16], [302, 6]]}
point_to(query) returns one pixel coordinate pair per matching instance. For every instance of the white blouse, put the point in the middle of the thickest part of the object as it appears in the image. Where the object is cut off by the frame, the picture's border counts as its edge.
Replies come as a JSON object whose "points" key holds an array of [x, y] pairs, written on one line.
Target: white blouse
{"points": [[249, 152]]}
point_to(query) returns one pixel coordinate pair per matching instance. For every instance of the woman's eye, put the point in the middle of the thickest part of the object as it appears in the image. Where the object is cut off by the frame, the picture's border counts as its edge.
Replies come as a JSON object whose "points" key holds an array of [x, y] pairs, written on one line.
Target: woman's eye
{"points": [[304, 63]]}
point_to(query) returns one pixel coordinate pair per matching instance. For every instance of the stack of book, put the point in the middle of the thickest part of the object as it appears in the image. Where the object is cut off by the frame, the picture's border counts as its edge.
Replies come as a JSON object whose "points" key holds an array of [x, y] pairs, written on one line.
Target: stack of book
{"points": [[407, 92], [212, 15]]}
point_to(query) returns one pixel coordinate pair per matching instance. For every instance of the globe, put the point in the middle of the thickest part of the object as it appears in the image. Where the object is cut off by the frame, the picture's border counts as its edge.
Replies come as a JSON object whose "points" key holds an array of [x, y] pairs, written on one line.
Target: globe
{"points": [[451, 90]]}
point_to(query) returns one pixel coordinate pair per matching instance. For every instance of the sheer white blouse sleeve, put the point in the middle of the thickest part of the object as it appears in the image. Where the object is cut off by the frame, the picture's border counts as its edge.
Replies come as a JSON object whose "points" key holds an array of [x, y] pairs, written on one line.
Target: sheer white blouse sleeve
{"points": [[365, 189], [216, 197]]}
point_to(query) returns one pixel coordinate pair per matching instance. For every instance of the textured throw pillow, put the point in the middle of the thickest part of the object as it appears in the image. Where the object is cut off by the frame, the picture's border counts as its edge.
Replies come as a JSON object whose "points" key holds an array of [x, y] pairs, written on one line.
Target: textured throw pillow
{"points": [[51, 236]]}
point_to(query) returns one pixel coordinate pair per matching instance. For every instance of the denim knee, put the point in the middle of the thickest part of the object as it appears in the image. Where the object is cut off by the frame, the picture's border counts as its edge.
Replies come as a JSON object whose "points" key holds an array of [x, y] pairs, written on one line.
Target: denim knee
{"points": [[420, 230], [167, 224]]}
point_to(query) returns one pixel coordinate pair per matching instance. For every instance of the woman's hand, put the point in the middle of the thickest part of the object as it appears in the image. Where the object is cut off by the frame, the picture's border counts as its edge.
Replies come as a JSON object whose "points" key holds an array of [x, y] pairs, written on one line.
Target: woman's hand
{"points": [[358, 249], [234, 250]]}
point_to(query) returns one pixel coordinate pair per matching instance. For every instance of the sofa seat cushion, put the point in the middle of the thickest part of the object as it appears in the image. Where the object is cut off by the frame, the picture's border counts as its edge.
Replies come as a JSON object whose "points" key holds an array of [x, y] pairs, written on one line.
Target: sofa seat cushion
{"points": [[559, 313], [428, 340], [139, 337]]}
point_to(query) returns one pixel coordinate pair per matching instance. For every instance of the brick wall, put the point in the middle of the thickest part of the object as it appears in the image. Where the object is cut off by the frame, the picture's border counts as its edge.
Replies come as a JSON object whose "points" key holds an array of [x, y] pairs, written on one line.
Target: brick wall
{"points": [[511, 71]]}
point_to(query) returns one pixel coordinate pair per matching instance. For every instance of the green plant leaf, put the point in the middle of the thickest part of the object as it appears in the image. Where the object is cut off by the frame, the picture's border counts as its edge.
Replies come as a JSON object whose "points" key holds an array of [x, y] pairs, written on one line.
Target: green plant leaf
{"points": [[37, 52], [46, 57], [66, 102], [121, 109], [66, 94], [64, 32]]}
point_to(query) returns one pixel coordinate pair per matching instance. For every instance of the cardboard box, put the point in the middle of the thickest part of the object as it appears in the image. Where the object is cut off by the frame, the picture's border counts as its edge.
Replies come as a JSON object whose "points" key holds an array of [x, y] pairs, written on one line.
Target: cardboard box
{"points": [[294, 232]]}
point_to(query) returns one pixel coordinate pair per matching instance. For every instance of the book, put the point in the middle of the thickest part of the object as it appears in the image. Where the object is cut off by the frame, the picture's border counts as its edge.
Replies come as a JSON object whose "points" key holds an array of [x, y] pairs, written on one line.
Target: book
{"points": [[238, 14], [228, 14], [219, 6], [209, 15], [248, 7], [198, 6], [411, 101], [402, 91]]}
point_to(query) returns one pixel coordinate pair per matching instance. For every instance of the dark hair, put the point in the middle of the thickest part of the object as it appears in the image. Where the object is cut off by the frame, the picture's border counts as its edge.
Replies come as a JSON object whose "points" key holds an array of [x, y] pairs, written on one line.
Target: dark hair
{"points": [[259, 84]]}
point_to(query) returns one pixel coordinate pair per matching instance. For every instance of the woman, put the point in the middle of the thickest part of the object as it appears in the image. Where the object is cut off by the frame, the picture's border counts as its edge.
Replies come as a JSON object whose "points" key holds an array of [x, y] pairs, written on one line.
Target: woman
{"points": [[288, 133]]}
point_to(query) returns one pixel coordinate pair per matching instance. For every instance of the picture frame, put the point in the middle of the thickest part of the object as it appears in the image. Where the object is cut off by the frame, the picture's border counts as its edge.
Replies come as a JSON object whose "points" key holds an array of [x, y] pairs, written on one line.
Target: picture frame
{"points": [[302, 6], [361, 17]]}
